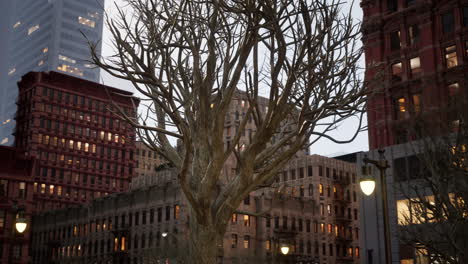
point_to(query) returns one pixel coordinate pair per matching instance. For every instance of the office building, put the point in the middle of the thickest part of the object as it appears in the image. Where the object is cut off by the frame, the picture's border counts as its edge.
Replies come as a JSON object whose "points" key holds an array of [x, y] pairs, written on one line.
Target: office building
{"points": [[83, 150], [417, 51], [44, 35], [312, 207]]}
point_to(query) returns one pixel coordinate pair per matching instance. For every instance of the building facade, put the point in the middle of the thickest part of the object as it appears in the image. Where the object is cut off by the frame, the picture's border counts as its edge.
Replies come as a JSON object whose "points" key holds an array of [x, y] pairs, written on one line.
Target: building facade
{"points": [[147, 161], [44, 35], [16, 196], [312, 208], [417, 51], [69, 125]]}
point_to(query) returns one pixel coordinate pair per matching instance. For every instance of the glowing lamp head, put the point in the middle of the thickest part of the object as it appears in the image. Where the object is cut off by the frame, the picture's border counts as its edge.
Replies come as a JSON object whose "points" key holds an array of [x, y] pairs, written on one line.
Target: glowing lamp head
{"points": [[367, 186], [164, 234], [284, 249], [21, 225]]}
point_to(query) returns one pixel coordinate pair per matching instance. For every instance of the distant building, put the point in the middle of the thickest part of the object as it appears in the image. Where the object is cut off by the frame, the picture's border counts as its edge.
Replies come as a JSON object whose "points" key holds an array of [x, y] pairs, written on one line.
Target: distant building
{"points": [[312, 207], [83, 150], [147, 160], [16, 194], [44, 35]]}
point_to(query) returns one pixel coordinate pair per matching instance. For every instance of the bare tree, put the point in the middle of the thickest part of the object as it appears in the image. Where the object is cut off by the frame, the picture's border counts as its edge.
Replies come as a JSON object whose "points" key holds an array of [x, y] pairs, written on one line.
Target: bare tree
{"points": [[435, 224], [189, 60]]}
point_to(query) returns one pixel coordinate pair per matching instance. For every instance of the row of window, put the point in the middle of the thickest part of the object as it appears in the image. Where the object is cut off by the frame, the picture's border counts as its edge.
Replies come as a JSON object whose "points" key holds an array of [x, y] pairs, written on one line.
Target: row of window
{"points": [[309, 225], [66, 192], [77, 178], [5, 185], [57, 126], [336, 174], [83, 163], [450, 60], [124, 221], [78, 100]]}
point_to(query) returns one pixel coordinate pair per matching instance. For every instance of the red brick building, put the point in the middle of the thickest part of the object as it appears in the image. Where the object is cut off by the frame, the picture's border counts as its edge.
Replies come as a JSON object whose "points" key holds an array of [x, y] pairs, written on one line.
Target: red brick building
{"points": [[83, 150], [16, 193], [420, 49]]}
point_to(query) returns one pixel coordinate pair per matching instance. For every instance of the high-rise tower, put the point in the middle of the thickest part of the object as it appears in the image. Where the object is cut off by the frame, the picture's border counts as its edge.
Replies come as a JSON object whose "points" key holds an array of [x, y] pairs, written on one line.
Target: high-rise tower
{"points": [[44, 35]]}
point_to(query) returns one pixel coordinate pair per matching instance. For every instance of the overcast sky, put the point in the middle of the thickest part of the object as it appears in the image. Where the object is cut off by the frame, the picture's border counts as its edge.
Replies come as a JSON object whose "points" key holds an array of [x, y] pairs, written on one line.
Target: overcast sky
{"points": [[322, 147]]}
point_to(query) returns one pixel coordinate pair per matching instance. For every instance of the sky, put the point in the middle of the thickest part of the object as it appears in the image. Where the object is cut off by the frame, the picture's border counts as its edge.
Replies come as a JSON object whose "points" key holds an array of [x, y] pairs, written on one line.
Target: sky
{"points": [[322, 147]]}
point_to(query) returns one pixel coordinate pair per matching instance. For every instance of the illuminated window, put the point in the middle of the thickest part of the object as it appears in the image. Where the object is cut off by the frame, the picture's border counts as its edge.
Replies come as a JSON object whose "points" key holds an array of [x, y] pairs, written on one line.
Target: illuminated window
{"points": [[116, 138], [40, 63], [11, 71], [46, 140], [102, 135], [234, 218], [122, 139], [451, 56], [336, 230], [86, 147], [176, 211], [329, 209], [268, 245], [67, 59], [246, 241], [70, 144], [321, 189], [51, 189], [45, 50], [397, 70], [78, 145], [246, 220], [59, 190], [400, 108], [415, 65], [33, 29], [17, 24], [330, 228], [109, 136], [70, 69], [322, 227], [87, 22], [43, 188], [94, 148]]}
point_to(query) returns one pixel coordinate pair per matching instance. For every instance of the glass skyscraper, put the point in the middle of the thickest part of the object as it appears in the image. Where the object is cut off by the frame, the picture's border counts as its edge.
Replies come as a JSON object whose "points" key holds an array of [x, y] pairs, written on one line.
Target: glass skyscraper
{"points": [[44, 35]]}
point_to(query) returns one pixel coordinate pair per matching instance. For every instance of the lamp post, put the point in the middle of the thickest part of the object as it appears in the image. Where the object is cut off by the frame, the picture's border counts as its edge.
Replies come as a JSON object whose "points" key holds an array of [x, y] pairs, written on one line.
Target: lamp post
{"points": [[367, 183], [21, 223]]}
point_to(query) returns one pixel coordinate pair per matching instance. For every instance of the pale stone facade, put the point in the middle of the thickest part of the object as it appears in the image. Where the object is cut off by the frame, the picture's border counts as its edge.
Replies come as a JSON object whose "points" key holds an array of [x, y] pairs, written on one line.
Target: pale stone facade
{"points": [[304, 211]]}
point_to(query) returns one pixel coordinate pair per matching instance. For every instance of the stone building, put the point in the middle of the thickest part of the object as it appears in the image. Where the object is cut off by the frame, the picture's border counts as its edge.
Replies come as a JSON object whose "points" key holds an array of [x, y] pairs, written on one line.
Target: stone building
{"points": [[147, 163], [311, 207], [83, 150]]}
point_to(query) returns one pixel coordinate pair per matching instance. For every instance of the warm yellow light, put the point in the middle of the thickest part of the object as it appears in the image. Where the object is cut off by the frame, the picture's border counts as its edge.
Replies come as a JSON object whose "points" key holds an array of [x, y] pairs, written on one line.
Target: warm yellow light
{"points": [[367, 186], [21, 225], [164, 234], [284, 250]]}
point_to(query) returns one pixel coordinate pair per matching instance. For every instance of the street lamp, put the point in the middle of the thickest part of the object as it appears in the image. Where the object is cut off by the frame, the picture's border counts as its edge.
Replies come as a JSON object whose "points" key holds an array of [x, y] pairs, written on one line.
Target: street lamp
{"points": [[367, 183], [284, 249]]}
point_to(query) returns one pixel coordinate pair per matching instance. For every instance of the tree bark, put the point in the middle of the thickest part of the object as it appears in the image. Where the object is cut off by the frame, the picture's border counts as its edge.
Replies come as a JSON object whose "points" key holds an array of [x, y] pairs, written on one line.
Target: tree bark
{"points": [[203, 241]]}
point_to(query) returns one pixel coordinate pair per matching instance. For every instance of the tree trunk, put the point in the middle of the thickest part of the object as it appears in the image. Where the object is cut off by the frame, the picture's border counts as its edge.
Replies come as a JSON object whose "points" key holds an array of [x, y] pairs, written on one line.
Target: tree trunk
{"points": [[203, 242]]}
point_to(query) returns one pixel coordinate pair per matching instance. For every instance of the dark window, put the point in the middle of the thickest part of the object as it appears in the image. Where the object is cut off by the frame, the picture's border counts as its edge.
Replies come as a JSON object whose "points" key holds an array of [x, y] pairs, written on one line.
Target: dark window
{"points": [[410, 2], [276, 221], [293, 174], [308, 226], [465, 16], [328, 172], [320, 171], [309, 171], [448, 22], [143, 217], [392, 5], [395, 43], [285, 222], [413, 34], [301, 172], [268, 221], [247, 200], [168, 213], [151, 216]]}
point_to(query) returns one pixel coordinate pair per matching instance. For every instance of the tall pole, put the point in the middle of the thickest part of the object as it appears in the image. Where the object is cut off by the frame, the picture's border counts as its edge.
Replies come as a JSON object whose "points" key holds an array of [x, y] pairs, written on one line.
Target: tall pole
{"points": [[382, 165]]}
